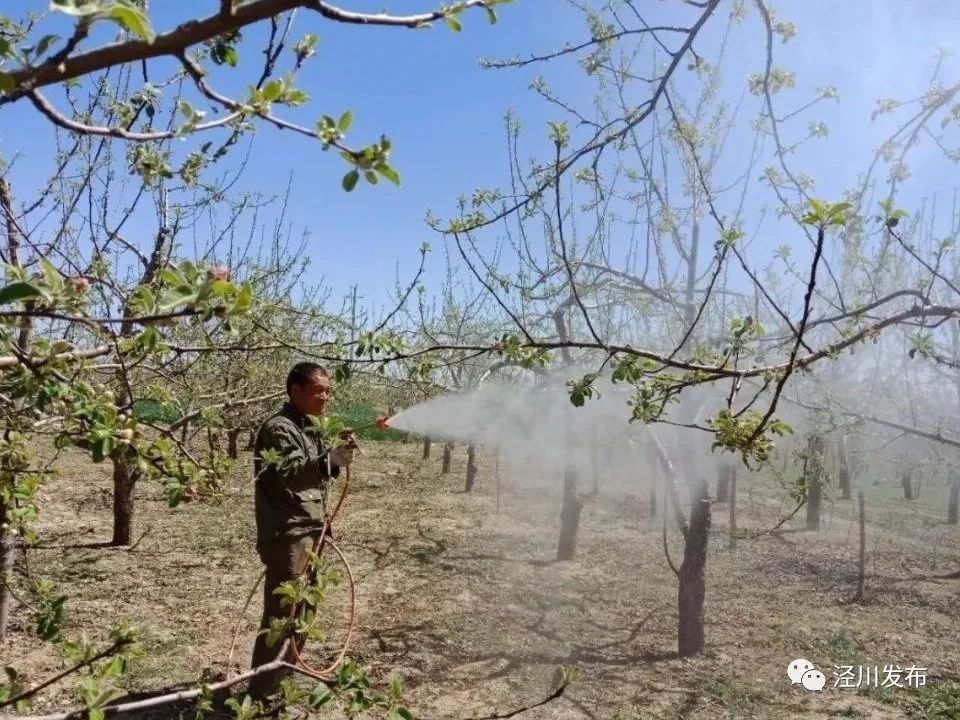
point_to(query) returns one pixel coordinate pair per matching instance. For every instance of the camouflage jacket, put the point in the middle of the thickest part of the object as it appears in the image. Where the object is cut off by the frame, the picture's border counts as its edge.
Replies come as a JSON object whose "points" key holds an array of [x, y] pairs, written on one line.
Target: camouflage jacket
{"points": [[289, 497]]}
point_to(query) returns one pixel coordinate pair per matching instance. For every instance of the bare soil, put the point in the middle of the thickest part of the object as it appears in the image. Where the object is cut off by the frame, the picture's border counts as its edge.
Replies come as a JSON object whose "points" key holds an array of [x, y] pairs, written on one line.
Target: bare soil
{"points": [[465, 602]]}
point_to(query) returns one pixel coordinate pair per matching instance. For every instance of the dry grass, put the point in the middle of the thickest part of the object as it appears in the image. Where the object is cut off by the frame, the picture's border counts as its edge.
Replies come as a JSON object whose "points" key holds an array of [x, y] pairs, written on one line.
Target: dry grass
{"points": [[466, 603]]}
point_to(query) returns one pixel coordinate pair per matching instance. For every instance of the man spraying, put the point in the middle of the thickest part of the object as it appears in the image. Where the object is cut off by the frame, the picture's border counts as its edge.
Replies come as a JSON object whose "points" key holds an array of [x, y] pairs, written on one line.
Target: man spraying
{"points": [[290, 494]]}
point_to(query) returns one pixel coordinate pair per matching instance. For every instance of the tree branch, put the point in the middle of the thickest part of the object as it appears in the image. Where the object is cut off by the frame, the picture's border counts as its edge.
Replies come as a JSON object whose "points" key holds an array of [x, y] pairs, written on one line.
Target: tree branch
{"points": [[60, 120]]}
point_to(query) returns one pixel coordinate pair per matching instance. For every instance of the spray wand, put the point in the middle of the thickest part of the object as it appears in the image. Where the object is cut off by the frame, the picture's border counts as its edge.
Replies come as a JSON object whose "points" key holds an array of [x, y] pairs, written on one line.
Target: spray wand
{"points": [[349, 435], [381, 423]]}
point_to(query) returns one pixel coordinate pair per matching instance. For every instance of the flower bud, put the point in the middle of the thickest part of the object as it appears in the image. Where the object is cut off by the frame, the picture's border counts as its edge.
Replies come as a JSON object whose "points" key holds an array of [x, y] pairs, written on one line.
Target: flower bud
{"points": [[218, 272], [80, 284]]}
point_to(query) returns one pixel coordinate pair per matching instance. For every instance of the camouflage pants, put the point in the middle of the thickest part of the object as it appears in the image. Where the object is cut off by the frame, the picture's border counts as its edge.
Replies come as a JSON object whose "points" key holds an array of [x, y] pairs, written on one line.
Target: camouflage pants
{"points": [[285, 559]]}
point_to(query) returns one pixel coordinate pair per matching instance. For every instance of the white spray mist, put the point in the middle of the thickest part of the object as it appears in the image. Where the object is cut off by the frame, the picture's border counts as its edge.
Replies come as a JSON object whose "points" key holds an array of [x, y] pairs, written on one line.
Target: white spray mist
{"points": [[538, 432]]}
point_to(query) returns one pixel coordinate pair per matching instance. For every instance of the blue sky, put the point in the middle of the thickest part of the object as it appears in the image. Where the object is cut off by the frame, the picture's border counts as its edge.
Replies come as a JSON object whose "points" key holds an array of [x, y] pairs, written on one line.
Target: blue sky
{"points": [[444, 114]]}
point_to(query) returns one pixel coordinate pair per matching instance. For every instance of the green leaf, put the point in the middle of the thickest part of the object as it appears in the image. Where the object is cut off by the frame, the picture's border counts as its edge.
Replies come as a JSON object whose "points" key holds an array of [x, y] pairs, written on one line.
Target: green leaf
{"points": [[175, 296], [142, 300], [818, 208], [112, 669], [221, 288], [132, 19], [51, 274], [45, 42], [840, 207], [17, 292], [305, 46], [172, 277], [345, 121], [223, 53], [244, 300], [174, 494], [491, 16], [295, 97], [103, 447], [79, 8], [453, 23], [389, 173], [371, 177], [342, 373], [320, 697], [186, 109], [7, 83], [109, 696], [272, 90], [350, 180]]}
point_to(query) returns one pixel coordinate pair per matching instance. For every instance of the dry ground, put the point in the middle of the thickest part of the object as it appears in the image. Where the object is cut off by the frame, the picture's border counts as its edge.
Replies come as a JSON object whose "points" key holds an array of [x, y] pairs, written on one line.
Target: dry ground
{"points": [[465, 601]]}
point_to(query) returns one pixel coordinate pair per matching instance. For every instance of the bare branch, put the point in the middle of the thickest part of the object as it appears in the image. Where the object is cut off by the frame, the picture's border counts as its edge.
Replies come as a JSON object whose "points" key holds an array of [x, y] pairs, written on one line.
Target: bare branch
{"points": [[10, 361], [517, 62]]}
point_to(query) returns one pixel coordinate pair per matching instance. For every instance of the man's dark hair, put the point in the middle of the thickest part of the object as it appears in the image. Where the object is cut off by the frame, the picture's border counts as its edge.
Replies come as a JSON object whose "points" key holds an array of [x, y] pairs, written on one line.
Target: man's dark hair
{"points": [[301, 373]]}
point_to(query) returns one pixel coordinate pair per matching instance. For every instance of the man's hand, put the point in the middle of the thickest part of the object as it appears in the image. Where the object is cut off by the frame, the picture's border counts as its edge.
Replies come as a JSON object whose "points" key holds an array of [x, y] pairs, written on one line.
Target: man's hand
{"points": [[342, 456]]}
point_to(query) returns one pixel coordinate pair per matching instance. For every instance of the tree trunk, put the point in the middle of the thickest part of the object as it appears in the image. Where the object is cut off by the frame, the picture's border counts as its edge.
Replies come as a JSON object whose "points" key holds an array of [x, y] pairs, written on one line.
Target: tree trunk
{"points": [[861, 576], [692, 587], [447, 457], [906, 480], [125, 476], [595, 460], [213, 441], [843, 475], [953, 507], [569, 517], [725, 472], [233, 443], [814, 498], [471, 467], [124, 482], [651, 461], [8, 541], [814, 482], [496, 471], [426, 448], [7, 549], [733, 509]]}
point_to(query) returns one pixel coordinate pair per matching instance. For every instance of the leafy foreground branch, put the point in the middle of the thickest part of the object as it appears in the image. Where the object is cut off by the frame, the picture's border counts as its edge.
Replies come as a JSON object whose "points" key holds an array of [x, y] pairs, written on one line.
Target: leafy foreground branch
{"points": [[343, 686], [28, 64], [350, 685]]}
